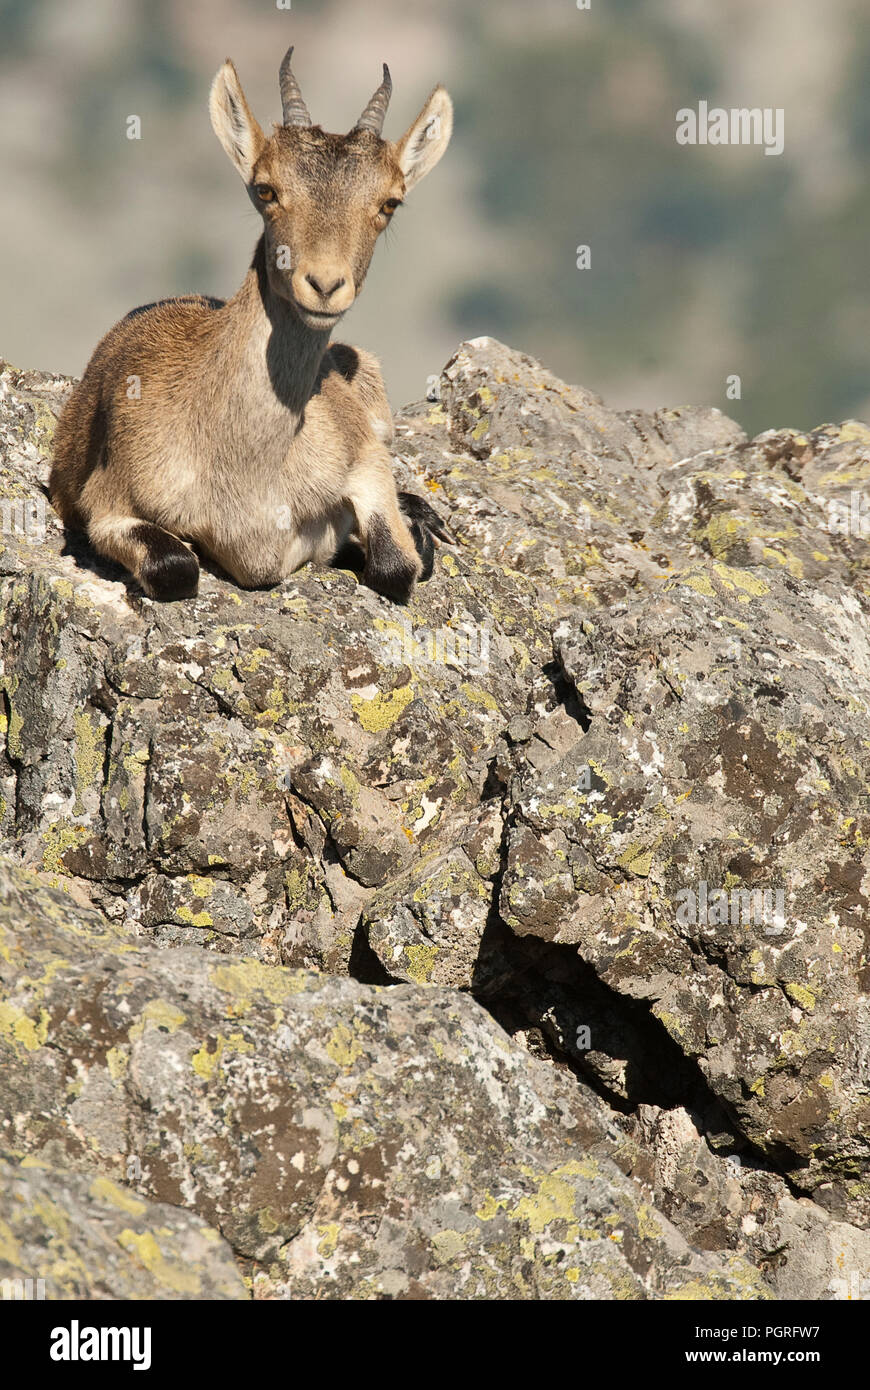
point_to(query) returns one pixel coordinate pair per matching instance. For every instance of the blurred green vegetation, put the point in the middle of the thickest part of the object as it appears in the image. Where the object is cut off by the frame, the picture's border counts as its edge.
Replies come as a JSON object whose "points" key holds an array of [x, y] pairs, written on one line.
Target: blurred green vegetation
{"points": [[561, 165], [704, 262]]}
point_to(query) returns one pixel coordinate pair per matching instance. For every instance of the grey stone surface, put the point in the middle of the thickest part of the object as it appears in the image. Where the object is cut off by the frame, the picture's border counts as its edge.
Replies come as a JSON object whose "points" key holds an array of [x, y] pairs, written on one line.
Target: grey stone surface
{"points": [[644, 667]]}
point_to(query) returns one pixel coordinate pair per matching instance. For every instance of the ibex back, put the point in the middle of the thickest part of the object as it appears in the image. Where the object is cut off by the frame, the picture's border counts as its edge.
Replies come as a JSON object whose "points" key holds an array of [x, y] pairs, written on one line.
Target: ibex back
{"points": [[237, 427]]}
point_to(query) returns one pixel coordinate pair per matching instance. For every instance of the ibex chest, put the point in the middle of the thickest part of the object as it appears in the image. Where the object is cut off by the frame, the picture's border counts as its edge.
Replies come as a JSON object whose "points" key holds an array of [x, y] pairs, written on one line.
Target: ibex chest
{"points": [[274, 500]]}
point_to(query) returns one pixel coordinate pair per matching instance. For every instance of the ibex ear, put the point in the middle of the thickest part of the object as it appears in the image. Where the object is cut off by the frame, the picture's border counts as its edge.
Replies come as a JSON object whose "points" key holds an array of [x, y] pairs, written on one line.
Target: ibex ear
{"points": [[233, 123], [424, 142]]}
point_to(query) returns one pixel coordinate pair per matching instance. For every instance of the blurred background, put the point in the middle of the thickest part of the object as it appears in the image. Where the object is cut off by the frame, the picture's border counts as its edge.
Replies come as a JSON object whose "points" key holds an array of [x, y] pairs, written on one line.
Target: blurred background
{"points": [[705, 261]]}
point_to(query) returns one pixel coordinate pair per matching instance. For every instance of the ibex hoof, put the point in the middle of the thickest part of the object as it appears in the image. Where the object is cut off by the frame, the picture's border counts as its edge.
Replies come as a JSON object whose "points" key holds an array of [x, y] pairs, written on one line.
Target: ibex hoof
{"points": [[389, 570]]}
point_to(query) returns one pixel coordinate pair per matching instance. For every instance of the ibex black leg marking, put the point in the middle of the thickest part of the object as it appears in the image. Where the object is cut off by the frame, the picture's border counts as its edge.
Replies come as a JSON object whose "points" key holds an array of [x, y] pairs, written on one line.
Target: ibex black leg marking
{"points": [[424, 523], [425, 547], [388, 571], [417, 509], [349, 556], [169, 570]]}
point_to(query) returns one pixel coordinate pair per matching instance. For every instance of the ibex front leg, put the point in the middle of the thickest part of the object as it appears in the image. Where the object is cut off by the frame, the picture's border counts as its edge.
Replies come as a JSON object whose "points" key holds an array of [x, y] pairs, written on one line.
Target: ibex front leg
{"points": [[392, 565]]}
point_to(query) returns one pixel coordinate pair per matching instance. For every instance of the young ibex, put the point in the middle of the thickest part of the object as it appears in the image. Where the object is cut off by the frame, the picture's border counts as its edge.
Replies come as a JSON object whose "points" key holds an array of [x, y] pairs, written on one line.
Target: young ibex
{"points": [[238, 427]]}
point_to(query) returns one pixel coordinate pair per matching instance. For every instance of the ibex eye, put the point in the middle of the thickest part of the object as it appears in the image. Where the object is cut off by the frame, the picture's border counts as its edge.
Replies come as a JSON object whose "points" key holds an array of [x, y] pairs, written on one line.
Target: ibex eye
{"points": [[390, 206], [264, 192]]}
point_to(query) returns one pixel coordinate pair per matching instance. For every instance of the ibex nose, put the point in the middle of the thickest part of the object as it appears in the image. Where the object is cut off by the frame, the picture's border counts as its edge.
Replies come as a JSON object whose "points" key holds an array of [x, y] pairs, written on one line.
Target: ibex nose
{"points": [[323, 287], [325, 291]]}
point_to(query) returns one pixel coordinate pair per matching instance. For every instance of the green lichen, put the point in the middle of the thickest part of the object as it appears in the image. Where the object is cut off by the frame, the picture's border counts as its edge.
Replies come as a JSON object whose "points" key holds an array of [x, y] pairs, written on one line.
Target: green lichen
{"points": [[207, 1060], [21, 1030], [88, 758], [58, 838], [382, 711], [801, 995], [343, 1047], [421, 961]]}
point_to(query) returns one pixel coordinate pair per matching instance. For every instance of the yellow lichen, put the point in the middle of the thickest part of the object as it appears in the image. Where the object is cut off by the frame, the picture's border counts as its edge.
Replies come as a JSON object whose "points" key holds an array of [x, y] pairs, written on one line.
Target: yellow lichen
{"points": [[383, 709]]}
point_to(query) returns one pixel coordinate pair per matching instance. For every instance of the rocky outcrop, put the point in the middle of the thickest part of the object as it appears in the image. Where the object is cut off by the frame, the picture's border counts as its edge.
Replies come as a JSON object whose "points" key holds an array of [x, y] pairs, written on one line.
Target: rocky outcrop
{"points": [[603, 785], [348, 1140]]}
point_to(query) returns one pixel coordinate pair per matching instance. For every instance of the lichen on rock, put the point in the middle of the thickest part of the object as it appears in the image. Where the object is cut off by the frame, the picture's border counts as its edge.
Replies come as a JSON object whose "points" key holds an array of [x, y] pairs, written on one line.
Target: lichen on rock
{"points": [[284, 869]]}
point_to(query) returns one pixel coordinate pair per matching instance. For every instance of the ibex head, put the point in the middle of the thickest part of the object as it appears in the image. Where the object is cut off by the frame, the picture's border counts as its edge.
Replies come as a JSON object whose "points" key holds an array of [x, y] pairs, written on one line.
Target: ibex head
{"points": [[324, 199]]}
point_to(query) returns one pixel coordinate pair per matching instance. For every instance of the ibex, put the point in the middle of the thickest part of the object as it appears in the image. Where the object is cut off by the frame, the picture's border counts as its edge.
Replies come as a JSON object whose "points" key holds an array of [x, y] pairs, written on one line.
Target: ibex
{"points": [[237, 427]]}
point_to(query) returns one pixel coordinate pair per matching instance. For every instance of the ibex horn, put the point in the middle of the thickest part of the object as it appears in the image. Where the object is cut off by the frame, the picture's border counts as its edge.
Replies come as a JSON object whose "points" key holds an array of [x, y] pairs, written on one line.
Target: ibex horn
{"points": [[373, 116], [295, 110]]}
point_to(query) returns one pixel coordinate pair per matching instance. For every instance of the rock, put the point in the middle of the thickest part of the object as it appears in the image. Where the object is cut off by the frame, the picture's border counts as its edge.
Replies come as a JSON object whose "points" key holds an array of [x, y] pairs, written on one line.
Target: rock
{"points": [[349, 1140], [726, 755], [721, 1203], [84, 1236], [231, 770], [632, 696]]}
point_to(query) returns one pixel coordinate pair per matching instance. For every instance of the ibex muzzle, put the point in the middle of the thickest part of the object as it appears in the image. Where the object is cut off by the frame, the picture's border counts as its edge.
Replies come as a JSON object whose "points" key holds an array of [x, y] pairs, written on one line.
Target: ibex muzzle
{"points": [[238, 427]]}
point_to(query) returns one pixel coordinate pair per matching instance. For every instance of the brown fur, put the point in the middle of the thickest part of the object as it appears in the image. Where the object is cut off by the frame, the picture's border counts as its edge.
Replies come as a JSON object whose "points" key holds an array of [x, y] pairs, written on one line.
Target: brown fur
{"points": [[238, 427]]}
